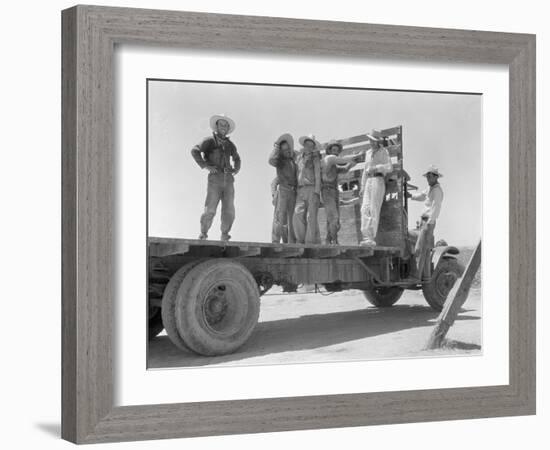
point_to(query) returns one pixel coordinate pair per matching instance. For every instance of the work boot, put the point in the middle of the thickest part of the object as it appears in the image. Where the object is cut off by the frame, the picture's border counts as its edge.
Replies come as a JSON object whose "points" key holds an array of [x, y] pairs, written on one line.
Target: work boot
{"points": [[203, 236], [367, 243], [225, 237]]}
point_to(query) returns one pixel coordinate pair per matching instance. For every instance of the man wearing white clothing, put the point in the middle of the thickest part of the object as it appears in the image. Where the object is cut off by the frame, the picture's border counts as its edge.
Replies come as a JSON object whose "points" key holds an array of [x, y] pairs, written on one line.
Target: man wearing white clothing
{"points": [[373, 187], [432, 198]]}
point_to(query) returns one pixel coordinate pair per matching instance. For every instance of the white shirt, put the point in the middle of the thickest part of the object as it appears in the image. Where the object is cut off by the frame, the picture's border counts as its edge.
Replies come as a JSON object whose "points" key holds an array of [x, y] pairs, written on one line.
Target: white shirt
{"points": [[433, 198], [379, 160]]}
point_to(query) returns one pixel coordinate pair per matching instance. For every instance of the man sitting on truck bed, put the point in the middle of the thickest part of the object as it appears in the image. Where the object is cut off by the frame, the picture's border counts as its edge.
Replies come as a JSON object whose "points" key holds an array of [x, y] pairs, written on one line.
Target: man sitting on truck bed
{"points": [[214, 154], [283, 158]]}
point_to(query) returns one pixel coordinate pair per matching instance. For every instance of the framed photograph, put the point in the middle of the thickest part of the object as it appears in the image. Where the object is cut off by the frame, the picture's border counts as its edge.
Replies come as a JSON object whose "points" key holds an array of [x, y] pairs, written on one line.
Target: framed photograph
{"points": [[279, 224]]}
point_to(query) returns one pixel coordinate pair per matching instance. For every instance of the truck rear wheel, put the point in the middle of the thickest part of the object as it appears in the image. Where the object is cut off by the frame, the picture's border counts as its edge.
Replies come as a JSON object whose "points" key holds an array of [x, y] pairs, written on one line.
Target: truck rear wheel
{"points": [[217, 307], [445, 275], [383, 297], [169, 305]]}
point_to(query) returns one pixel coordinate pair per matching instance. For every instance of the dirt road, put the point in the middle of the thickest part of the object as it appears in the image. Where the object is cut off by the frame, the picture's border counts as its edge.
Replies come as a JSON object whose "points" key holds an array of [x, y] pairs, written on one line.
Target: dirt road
{"points": [[341, 326]]}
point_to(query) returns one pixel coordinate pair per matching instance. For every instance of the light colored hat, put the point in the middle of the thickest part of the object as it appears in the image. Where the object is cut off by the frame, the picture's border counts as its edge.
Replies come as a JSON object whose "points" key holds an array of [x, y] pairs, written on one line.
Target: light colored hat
{"points": [[375, 135], [332, 143], [309, 137], [217, 117], [286, 137], [434, 170]]}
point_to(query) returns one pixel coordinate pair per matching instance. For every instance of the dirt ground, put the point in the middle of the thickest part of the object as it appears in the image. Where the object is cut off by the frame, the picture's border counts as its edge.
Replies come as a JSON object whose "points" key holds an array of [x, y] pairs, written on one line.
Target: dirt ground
{"points": [[308, 327]]}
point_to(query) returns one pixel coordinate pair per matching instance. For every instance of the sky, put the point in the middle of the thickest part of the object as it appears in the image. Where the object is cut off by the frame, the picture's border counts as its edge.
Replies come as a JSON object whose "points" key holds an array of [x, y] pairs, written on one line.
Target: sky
{"points": [[438, 128]]}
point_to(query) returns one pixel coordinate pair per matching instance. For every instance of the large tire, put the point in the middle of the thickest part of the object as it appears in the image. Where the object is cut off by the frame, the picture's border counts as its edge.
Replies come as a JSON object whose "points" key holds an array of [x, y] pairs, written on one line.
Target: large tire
{"points": [[169, 305], [217, 307], [445, 275], [383, 297], [155, 322]]}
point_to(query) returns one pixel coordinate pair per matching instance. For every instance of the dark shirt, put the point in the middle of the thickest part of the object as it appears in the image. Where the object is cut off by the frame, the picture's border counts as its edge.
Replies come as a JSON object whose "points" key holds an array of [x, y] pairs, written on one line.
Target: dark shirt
{"points": [[309, 169], [286, 169], [215, 151], [329, 177]]}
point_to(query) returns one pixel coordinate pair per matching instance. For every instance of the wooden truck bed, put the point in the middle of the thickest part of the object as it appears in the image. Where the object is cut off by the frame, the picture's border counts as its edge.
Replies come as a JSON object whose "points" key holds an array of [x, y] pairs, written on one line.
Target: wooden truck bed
{"points": [[160, 247], [281, 264]]}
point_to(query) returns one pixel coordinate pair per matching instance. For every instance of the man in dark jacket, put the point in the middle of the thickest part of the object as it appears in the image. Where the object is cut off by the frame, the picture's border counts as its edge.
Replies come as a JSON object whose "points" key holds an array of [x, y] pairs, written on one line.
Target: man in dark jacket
{"points": [[308, 160], [283, 159], [333, 164], [214, 154]]}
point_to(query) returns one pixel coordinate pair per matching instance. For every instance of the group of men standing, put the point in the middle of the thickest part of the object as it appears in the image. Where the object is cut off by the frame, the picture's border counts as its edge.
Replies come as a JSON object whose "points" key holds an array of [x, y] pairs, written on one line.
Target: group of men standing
{"points": [[305, 179]]}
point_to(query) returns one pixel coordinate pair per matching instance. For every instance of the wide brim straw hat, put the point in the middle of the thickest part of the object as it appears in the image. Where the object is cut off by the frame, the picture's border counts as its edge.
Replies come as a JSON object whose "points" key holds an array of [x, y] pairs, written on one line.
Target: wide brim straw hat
{"points": [[286, 137], [217, 117], [309, 137], [332, 143], [434, 170], [375, 135]]}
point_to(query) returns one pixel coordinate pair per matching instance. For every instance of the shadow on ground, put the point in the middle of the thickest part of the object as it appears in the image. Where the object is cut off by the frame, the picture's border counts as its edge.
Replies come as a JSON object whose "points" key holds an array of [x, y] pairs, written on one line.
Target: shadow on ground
{"points": [[306, 332], [458, 345]]}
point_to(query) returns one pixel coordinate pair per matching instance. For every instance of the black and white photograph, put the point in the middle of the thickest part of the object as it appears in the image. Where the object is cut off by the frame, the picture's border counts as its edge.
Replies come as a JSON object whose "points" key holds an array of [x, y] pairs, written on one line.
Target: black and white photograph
{"points": [[302, 224]]}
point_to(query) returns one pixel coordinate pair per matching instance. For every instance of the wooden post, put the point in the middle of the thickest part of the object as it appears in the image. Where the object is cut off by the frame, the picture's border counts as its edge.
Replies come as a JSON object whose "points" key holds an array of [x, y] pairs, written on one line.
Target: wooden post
{"points": [[455, 300]]}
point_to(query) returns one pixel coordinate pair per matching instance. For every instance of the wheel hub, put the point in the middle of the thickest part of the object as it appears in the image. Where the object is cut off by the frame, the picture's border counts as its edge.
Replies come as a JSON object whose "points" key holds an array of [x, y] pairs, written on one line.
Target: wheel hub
{"points": [[445, 282], [216, 305]]}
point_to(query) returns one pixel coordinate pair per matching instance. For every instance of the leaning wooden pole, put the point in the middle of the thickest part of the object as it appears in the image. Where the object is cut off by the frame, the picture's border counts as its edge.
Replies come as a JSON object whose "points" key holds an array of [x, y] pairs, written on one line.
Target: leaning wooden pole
{"points": [[455, 300]]}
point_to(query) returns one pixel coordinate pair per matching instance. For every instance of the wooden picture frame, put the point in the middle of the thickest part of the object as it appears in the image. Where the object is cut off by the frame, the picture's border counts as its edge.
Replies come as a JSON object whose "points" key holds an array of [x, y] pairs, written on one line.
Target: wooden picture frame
{"points": [[89, 37]]}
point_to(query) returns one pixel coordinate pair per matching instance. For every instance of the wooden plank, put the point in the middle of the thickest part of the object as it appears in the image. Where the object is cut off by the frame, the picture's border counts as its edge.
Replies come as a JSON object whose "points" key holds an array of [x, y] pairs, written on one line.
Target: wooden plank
{"points": [[391, 131], [282, 252], [455, 300], [393, 150], [359, 252], [350, 140], [183, 246], [357, 173], [381, 249], [175, 248], [330, 252]]}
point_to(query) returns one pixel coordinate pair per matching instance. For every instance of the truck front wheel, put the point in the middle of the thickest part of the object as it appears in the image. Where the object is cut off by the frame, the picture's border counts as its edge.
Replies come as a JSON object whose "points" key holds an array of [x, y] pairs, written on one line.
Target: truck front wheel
{"points": [[169, 305], [445, 275], [217, 307], [383, 297]]}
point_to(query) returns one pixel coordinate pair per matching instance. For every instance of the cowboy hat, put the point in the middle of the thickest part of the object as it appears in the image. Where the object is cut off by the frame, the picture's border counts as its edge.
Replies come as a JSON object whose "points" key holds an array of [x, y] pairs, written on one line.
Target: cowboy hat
{"points": [[214, 119], [374, 135], [332, 143], [309, 137], [434, 170], [286, 137]]}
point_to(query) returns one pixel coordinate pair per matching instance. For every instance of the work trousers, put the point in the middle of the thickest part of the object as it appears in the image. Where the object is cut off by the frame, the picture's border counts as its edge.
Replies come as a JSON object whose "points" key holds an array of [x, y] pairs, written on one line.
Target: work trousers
{"points": [[373, 197], [220, 188], [331, 202], [306, 227], [283, 228], [424, 243]]}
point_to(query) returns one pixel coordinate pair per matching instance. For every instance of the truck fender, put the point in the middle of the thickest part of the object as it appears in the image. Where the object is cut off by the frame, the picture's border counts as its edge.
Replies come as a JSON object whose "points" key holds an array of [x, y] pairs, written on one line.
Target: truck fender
{"points": [[447, 251]]}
